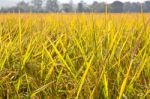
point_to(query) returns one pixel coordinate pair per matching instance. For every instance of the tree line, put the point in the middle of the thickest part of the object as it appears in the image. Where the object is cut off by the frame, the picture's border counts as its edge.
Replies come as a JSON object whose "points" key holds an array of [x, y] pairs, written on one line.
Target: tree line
{"points": [[53, 6]]}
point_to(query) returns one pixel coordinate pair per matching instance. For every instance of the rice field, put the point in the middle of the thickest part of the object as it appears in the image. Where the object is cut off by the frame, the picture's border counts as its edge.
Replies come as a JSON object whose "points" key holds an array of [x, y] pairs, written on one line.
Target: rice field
{"points": [[75, 56]]}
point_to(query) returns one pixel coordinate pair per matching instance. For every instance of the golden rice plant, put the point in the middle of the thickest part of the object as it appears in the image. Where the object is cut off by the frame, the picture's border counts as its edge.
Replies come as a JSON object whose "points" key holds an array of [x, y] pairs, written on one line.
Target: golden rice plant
{"points": [[75, 56]]}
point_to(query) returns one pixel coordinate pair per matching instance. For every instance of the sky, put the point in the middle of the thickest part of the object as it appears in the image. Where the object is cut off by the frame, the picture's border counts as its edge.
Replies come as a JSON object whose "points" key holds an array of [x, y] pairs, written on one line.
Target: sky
{"points": [[7, 3]]}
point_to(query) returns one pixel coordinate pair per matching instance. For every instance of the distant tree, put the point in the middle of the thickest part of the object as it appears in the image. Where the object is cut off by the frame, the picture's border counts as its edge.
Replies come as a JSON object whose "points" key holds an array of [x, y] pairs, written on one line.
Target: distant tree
{"points": [[80, 7], [20, 7], [10, 10], [67, 7], [87, 9], [127, 7], [37, 5], [71, 5], [136, 7], [117, 7], [97, 7], [52, 6], [4, 10], [132, 7], [23, 6], [147, 6]]}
